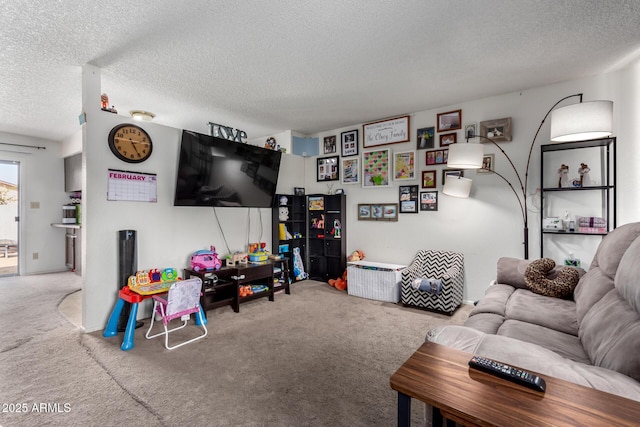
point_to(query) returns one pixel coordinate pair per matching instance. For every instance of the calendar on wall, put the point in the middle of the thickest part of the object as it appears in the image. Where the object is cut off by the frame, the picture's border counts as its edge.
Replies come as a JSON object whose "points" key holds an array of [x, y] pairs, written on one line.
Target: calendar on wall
{"points": [[132, 186]]}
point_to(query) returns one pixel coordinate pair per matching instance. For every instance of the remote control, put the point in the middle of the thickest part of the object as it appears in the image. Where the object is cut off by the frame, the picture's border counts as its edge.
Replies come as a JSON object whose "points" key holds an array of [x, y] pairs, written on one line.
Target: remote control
{"points": [[507, 372]]}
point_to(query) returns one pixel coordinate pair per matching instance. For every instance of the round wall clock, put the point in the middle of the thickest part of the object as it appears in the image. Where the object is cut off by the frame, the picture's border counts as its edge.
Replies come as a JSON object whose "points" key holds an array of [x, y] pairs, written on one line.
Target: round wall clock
{"points": [[130, 143]]}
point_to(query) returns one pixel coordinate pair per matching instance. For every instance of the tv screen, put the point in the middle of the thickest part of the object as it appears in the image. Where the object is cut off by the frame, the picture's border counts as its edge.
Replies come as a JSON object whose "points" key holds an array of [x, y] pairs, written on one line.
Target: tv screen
{"points": [[216, 172]]}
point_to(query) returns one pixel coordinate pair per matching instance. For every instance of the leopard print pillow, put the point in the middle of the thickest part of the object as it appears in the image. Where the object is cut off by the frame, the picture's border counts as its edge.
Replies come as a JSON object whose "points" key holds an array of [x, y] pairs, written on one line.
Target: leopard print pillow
{"points": [[535, 277]]}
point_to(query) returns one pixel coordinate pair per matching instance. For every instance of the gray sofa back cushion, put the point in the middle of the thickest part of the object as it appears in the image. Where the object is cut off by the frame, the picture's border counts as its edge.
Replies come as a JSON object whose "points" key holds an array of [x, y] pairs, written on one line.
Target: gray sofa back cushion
{"points": [[613, 246], [591, 288], [627, 279]]}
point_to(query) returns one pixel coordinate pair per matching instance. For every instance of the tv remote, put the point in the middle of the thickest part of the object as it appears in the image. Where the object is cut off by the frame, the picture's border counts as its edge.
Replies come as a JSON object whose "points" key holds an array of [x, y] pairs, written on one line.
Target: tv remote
{"points": [[507, 372]]}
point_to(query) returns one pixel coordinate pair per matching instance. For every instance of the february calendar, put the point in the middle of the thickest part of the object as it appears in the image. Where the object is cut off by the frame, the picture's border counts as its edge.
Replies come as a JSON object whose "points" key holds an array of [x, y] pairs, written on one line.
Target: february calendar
{"points": [[132, 186]]}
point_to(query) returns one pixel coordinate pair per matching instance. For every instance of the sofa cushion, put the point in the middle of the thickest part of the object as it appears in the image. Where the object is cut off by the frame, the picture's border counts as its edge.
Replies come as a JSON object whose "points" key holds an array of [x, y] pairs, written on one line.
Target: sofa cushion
{"points": [[627, 280], [494, 300], [613, 246], [535, 276], [610, 334], [535, 358], [591, 288], [488, 323], [553, 313], [566, 345]]}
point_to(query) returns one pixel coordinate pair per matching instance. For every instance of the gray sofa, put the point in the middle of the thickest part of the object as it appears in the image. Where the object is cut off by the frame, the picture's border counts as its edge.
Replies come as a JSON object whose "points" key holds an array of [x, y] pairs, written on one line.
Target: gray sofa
{"points": [[592, 339]]}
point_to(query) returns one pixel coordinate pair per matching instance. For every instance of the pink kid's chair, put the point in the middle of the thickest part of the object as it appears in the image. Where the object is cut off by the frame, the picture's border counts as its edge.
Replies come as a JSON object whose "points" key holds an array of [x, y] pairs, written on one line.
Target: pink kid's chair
{"points": [[183, 299]]}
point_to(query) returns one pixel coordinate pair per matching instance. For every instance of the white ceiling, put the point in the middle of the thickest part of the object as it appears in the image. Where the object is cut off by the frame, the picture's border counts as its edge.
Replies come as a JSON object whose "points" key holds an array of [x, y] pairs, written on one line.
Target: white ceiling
{"points": [[308, 66]]}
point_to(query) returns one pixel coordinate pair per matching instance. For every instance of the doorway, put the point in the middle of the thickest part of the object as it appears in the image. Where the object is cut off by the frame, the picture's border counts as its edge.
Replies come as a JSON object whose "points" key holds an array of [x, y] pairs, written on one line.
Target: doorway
{"points": [[9, 215]]}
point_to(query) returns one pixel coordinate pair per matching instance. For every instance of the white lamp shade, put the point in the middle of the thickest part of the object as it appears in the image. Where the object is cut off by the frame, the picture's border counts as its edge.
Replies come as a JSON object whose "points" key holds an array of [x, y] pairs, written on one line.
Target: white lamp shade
{"points": [[457, 186], [583, 121], [465, 156]]}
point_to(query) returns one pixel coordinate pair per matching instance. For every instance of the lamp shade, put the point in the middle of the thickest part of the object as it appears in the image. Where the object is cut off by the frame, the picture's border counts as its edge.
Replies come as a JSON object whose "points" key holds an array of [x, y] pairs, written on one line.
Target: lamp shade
{"points": [[578, 122], [465, 156], [457, 186]]}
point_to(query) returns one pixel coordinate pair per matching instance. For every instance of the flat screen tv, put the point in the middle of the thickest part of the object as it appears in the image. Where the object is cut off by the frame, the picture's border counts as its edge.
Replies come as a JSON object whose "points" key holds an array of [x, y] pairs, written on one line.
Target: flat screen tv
{"points": [[216, 172]]}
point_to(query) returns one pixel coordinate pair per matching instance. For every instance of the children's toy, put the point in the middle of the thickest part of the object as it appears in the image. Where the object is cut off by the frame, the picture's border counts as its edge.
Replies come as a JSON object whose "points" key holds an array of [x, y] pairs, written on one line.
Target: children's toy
{"points": [[155, 276], [245, 291], [340, 283], [318, 222], [206, 260], [283, 213], [337, 229], [236, 258], [153, 281], [356, 255], [283, 200], [298, 266]]}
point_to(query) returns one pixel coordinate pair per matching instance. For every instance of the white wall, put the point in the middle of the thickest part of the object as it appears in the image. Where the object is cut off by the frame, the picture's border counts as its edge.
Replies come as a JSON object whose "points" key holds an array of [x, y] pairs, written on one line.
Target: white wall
{"points": [[489, 224], [41, 182], [484, 227]]}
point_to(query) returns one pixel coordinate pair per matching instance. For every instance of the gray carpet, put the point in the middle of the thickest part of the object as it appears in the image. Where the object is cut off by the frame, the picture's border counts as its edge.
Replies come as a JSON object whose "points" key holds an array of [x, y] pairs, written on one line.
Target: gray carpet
{"points": [[317, 357]]}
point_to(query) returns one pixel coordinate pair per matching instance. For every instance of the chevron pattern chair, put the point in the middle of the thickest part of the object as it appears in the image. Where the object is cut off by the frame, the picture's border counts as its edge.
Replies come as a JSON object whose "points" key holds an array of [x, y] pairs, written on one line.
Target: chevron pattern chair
{"points": [[444, 265]]}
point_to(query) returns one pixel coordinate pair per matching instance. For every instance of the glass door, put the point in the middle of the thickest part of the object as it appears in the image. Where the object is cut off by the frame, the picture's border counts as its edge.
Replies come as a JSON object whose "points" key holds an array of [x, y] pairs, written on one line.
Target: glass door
{"points": [[9, 213]]}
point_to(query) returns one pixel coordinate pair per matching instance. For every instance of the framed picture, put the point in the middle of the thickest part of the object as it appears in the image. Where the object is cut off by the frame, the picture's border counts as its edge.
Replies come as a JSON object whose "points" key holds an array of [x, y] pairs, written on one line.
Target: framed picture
{"points": [[451, 120], [329, 144], [437, 157], [487, 164], [448, 138], [499, 129], [378, 212], [429, 179], [404, 165], [349, 143], [408, 198], [328, 169], [425, 138], [470, 131], [428, 200], [351, 170], [451, 172], [375, 168], [383, 132], [298, 191]]}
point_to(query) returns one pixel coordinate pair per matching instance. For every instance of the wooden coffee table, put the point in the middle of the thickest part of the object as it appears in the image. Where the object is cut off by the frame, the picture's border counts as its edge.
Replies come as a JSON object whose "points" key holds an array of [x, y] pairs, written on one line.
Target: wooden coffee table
{"points": [[440, 376]]}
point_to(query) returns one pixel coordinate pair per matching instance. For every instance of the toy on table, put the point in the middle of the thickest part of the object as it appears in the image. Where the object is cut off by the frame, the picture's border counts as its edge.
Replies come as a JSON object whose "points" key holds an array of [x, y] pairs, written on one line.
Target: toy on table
{"points": [[206, 260], [153, 281], [298, 266], [258, 252], [236, 258]]}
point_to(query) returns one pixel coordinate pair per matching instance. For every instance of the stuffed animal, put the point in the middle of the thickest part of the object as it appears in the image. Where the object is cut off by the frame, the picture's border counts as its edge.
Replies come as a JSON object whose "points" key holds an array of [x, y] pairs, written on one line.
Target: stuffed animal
{"points": [[283, 213], [357, 255], [340, 283]]}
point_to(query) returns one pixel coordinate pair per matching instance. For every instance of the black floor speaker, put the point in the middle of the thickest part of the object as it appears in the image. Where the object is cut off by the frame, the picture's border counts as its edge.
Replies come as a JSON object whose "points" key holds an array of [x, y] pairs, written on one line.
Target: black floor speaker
{"points": [[127, 266]]}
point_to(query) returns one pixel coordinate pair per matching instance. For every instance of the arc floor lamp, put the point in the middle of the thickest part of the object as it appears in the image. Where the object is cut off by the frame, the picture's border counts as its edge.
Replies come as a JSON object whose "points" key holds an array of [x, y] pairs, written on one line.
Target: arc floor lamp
{"points": [[576, 122]]}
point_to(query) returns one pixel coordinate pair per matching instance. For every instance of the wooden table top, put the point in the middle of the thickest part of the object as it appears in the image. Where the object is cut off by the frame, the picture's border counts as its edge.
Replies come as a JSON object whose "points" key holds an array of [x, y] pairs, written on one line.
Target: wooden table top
{"points": [[440, 376]]}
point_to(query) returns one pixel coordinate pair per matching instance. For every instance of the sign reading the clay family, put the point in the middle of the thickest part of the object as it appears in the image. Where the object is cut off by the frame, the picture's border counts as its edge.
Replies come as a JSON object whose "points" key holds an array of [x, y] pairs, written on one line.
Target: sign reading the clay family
{"points": [[384, 132], [226, 132]]}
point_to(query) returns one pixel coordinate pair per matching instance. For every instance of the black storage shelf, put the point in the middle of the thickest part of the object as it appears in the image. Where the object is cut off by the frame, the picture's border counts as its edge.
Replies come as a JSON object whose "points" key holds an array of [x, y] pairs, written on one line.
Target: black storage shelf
{"points": [[296, 225], [607, 189], [327, 257]]}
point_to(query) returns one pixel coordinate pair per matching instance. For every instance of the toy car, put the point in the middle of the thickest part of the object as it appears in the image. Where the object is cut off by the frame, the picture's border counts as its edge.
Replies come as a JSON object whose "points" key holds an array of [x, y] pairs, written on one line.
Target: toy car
{"points": [[206, 260]]}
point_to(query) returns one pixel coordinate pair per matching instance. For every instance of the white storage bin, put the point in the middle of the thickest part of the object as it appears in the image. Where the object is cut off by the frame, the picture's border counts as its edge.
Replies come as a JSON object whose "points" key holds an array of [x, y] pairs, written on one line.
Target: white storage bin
{"points": [[374, 280]]}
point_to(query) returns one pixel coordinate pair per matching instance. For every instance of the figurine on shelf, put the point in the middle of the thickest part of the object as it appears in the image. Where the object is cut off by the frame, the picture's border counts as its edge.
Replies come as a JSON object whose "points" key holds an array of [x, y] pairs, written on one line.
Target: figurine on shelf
{"points": [[583, 171], [337, 229], [563, 176]]}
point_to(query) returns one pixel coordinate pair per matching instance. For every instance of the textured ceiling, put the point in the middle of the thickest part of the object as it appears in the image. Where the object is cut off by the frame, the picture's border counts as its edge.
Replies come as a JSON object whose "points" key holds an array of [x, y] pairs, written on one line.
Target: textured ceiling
{"points": [[308, 66]]}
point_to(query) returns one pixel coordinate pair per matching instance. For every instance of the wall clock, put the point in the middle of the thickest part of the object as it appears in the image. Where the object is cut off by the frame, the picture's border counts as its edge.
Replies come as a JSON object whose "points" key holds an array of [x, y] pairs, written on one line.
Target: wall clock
{"points": [[130, 143]]}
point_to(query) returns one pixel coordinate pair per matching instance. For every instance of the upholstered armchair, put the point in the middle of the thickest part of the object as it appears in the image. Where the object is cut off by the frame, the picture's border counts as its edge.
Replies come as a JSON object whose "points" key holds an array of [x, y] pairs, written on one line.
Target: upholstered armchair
{"points": [[443, 269]]}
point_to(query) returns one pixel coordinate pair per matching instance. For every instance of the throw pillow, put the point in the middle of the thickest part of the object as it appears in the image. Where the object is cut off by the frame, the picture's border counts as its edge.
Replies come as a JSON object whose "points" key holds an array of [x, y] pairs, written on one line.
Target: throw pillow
{"points": [[535, 277]]}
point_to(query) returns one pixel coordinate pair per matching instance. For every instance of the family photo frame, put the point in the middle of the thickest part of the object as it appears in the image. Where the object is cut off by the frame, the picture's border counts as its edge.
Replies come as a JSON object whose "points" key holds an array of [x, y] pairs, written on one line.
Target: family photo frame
{"points": [[328, 169], [349, 143], [377, 211], [384, 132], [451, 120]]}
